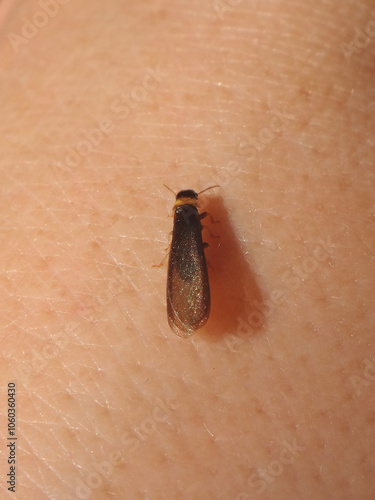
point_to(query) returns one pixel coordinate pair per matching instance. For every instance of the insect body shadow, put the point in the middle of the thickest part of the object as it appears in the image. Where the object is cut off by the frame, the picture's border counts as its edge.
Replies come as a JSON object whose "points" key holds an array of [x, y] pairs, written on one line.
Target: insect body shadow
{"points": [[234, 289]]}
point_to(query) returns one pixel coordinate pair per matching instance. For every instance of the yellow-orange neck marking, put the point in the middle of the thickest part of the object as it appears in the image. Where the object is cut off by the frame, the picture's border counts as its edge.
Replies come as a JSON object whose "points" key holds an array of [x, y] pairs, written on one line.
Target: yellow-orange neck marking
{"points": [[185, 201]]}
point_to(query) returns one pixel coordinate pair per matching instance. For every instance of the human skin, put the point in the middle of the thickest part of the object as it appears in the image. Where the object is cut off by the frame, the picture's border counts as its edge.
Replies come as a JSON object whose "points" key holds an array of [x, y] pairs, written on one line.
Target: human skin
{"points": [[274, 397]]}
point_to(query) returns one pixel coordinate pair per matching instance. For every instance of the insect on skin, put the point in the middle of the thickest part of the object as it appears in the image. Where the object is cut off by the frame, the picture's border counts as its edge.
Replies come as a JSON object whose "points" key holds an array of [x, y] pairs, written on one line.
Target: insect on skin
{"points": [[188, 289]]}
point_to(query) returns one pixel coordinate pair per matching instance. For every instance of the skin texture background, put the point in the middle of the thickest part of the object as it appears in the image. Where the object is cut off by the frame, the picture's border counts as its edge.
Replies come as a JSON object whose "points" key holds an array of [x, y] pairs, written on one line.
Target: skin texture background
{"points": [[102, 103]]}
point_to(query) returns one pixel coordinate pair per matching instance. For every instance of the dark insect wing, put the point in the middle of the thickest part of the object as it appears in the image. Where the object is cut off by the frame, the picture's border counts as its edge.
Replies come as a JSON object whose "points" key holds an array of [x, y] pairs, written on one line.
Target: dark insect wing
{"points": [[188, 293]]}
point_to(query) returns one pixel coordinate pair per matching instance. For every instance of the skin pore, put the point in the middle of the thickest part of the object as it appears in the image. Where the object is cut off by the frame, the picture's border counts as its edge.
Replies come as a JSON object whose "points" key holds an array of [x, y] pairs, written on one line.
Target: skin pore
{"points": [[103, 103]]}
